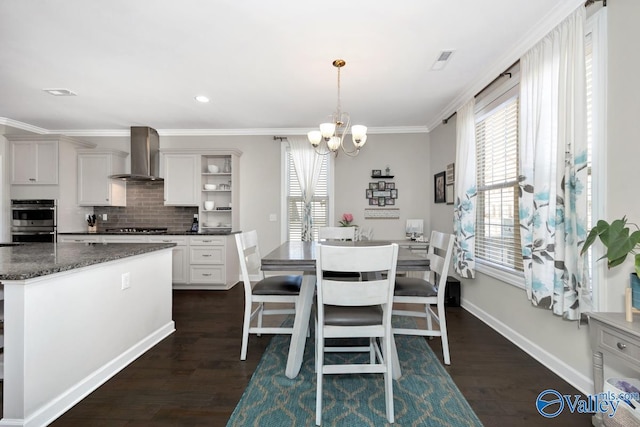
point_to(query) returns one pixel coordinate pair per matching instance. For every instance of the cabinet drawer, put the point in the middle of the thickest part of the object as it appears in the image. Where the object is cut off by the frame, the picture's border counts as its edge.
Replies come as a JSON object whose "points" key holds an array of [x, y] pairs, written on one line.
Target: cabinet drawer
{"points": [[620, 344], [207, 274], [78, 239], [124, 239], [178, 240], [208, 240], [206, 255]]}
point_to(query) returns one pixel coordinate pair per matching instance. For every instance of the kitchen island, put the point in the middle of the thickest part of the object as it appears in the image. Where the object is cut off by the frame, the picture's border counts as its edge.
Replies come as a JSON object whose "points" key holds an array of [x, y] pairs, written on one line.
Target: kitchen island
{"points": [[75, 315]]}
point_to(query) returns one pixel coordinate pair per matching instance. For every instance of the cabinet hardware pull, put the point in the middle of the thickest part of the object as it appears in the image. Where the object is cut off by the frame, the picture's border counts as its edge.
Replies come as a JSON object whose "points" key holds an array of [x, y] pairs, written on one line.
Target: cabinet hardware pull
{"points": [[206, 254], [622, 346], [207, 241], [206, 274], [32, 179]]}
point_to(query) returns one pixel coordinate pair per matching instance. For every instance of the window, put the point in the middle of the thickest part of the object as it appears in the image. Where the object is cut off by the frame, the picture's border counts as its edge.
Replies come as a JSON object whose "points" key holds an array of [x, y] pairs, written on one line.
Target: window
{"points": [[295, 204], [595, 64], [497, 223]]}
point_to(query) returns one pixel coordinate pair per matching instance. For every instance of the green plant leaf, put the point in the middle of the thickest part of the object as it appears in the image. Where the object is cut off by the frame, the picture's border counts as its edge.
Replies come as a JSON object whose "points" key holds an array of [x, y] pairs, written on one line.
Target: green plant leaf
{"points": [[601, 227]]}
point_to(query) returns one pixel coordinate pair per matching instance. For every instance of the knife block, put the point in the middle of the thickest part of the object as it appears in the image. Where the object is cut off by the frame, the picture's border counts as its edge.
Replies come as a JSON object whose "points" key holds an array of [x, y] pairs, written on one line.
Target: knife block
{"points": [[92, 228]]}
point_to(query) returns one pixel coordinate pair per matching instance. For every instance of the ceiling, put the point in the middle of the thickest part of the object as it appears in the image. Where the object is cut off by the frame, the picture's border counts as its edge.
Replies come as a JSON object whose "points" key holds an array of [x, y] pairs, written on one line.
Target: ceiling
{"points": [[265, 65]]}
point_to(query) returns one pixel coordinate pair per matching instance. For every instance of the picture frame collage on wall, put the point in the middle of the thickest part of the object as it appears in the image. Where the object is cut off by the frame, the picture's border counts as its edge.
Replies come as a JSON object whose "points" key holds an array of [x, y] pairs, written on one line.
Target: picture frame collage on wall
{"points": [[443, 185], [382, 193]]}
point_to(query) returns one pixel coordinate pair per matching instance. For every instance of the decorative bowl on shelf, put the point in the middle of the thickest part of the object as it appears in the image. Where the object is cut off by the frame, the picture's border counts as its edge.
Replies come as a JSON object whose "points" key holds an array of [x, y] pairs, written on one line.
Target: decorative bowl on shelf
{"points": [[208, 205], [213, 169], [210, 186]]}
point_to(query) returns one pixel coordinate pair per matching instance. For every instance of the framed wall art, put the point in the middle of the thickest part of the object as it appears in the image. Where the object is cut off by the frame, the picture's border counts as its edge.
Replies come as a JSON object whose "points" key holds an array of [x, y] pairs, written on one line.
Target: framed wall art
{"points": [[439, 187], [449, 194]]}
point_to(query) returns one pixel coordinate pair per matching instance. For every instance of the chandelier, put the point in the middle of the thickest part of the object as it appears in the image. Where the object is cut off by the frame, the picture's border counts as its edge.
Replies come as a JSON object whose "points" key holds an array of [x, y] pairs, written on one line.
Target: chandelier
{"points": [[333, 131]]}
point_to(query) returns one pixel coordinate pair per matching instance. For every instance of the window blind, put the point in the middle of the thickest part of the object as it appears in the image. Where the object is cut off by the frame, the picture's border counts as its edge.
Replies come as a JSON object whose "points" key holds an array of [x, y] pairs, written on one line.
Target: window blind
{"points": [[295, 202], [497, 221]]}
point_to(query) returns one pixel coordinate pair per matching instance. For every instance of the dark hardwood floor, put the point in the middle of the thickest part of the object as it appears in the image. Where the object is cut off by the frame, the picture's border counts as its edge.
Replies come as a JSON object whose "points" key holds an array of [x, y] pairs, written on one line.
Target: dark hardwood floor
{"points": [[195, 376]]}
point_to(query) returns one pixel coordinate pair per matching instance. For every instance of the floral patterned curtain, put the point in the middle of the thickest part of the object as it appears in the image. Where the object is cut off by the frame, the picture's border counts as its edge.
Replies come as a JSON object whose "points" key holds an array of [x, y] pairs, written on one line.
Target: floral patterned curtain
{"points": [[553, 156], [464, 215], [308, 165]]}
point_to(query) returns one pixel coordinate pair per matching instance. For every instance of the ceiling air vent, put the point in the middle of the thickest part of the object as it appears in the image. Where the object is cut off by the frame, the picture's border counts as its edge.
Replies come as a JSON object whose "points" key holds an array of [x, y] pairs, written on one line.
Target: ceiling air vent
{"points": [[60, 92], [442, 60]]}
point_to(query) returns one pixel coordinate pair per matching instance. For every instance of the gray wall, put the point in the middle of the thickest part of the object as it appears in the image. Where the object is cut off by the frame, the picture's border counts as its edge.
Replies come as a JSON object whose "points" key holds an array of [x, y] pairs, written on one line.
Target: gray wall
{"points": [[505, 307]]}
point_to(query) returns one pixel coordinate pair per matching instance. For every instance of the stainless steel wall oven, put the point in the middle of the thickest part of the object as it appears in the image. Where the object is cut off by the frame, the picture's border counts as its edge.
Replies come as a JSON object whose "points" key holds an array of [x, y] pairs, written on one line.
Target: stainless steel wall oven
{"points": [[33, 220]]}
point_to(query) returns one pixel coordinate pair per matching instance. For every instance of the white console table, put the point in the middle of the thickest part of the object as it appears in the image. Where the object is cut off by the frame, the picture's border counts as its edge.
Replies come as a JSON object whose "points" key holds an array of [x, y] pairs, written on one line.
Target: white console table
{"points": [[610, 333]]}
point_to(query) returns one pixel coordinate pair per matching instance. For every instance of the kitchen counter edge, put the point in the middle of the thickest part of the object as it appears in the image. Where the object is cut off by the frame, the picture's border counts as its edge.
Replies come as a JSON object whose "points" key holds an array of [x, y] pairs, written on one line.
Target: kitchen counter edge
{"points": [[31, 260]]}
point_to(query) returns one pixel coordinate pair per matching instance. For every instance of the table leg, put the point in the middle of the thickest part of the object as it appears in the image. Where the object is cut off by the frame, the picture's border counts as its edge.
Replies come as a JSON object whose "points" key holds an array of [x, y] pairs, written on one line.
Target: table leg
{"points": [[598, 382], [397, 371], [300, 325]]}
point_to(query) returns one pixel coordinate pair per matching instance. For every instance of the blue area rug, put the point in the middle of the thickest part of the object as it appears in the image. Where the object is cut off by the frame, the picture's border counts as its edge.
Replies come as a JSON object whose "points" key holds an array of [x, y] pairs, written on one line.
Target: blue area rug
{"points": [[425, 395]]}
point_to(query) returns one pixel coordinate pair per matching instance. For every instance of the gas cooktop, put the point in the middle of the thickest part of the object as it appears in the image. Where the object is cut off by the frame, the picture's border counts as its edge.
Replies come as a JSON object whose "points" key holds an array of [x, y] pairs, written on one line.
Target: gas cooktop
{"points": [[137, 230]]}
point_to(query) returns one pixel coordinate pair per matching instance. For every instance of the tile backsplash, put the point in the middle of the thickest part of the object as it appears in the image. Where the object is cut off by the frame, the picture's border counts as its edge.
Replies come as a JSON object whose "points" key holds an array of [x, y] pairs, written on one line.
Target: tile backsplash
{"points": [[145, 208]]}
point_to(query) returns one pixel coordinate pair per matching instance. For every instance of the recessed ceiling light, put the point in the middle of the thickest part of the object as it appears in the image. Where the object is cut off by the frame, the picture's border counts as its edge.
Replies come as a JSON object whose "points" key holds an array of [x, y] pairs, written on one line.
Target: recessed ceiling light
{"points": [[202, 98], [60, 92], [442, 60]]}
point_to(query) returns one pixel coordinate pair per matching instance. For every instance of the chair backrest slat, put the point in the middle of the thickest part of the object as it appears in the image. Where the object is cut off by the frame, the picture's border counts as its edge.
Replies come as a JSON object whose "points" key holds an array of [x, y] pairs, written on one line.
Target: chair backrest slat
{"points": [[249, 255], [439, 255], [380, 259]]}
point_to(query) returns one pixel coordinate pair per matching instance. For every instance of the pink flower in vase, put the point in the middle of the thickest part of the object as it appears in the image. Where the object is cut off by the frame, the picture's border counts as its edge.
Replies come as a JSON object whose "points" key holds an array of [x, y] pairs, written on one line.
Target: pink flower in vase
{"points": [[346, 220]]}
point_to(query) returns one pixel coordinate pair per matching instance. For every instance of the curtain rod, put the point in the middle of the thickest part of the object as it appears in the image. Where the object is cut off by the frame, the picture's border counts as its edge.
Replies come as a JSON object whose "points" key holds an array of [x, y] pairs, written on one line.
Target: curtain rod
{"points": [[505, 73], [444, 121]]}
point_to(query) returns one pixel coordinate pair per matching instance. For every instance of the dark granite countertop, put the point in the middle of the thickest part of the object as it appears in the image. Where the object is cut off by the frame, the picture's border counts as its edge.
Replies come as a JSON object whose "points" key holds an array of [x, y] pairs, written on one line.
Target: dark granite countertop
{"points": [[29, 260], [224, 232]]}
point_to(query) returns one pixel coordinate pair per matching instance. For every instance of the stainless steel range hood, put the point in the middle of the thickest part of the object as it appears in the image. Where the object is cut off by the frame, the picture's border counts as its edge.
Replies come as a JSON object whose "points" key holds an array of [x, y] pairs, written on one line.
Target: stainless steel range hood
{"points": [[145, 156]]}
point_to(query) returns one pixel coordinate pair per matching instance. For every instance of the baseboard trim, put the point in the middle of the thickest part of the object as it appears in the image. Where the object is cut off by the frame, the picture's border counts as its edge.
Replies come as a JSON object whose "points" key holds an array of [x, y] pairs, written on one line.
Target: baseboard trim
{"points": [[56, 407], [581, 382]]}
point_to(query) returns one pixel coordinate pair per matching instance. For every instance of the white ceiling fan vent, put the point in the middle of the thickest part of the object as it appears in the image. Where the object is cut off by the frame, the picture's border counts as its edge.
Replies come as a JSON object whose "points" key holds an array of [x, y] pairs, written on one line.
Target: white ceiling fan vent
{"points": [[442, 60], [60, 92]]}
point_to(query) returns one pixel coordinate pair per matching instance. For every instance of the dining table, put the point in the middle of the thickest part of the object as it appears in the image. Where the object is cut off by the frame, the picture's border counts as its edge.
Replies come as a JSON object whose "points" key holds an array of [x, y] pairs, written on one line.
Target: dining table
{"points": [[301, 256]]}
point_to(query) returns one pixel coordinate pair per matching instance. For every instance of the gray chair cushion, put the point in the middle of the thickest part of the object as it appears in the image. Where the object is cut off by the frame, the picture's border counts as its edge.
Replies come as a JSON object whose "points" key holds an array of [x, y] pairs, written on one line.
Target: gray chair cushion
{"points": [[412, 287], [278, 285], [352, 316], [351, 276]]}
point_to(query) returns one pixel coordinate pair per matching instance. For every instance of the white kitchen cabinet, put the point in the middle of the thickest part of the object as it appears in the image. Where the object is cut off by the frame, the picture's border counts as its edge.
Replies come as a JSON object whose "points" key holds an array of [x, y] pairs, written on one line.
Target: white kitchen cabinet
{"points": [[95, 188], [35, 161], [181, 173], [219, 187], [213, 262], [180, 256]]}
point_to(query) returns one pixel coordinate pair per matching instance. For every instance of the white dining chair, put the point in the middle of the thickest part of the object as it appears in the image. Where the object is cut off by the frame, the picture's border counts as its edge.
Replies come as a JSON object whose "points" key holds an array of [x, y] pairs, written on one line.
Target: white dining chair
{"points": [[427, 292], [264, 290], [349, 309], [336, 233], [328, 234]]}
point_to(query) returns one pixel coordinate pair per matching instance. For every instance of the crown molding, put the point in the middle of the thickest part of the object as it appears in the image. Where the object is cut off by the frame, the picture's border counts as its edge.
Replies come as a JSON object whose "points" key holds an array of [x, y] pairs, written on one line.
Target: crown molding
{"points": [[202, 132], [22, 126], [551, 20]]}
